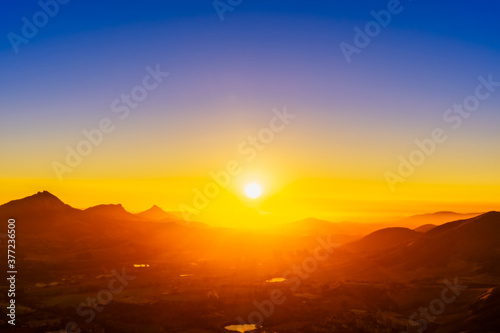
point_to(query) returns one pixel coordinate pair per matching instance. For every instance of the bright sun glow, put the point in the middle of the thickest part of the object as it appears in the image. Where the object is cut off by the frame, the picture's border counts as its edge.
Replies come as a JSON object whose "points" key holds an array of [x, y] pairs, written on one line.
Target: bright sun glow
{"points": [[253, 190]]}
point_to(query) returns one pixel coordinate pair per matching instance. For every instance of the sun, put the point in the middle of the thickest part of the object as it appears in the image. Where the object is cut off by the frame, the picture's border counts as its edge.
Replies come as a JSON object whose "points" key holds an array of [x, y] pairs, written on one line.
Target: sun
{"points": [[253, 190]]}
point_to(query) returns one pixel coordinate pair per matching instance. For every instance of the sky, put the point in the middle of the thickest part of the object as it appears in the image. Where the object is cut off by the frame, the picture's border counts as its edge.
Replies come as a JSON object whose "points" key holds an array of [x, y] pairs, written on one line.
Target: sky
{"points": [[223, 73]]}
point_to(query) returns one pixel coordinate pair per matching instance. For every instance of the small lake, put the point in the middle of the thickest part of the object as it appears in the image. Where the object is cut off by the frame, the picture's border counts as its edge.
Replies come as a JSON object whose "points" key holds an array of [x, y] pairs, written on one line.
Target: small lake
{"points": [[276, 279], [141, 265], [241, 328]]}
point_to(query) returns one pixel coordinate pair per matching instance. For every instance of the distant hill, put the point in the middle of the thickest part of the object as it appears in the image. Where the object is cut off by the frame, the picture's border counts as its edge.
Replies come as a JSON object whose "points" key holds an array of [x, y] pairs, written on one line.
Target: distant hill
{"points": [[463, 247], [48, 229], [158, 215], [155, 213], [382, 240], [424, 228], [111, 211], [312, 226], [434, 218], [317, 226]]}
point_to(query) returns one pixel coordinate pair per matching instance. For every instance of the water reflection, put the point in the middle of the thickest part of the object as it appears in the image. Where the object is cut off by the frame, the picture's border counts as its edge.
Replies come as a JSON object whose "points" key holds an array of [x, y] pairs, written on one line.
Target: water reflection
{"points": [[276, 279], [241, 328]]}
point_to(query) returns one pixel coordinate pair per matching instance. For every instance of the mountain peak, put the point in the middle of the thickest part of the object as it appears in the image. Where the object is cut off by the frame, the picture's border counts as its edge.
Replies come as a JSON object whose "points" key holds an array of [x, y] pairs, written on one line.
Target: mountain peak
{"points": [[107, 208], [42, 200], [44, 195], [155, 208], [492, 213], [445, 212], [156, 213]]}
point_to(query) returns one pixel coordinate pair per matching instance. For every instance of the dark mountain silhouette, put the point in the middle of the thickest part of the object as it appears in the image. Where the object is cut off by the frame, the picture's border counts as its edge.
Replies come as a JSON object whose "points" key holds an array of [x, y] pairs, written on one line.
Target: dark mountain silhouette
{"points": [[46, 225], [41, 201], [37, 212], [474, 240], [393, 267], [464, 247]]}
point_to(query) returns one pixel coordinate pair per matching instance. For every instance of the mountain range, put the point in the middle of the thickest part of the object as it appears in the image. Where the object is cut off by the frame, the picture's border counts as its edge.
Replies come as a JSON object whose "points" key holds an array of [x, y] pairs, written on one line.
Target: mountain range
{"points": [[45, 225]]}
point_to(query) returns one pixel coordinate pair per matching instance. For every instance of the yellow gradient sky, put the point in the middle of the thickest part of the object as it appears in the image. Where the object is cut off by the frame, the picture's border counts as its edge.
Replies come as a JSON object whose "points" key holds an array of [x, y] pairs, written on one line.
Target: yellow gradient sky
{"points": [[216, 86]]}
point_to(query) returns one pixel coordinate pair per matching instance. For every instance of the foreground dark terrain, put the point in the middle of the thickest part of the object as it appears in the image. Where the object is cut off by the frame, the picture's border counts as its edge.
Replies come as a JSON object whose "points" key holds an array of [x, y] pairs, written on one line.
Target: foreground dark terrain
{"points": [[106, 270]]}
